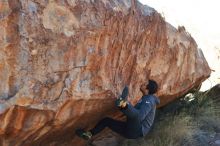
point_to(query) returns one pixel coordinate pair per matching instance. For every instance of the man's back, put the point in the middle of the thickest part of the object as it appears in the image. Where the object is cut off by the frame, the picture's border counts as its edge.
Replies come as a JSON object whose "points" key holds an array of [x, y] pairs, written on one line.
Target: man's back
{"points": [[149, 101], [141, 116]]}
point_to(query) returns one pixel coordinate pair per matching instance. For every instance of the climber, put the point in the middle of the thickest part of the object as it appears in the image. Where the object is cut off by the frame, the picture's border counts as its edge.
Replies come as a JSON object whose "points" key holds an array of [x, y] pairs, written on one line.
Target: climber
{"points": [[139, 118]]}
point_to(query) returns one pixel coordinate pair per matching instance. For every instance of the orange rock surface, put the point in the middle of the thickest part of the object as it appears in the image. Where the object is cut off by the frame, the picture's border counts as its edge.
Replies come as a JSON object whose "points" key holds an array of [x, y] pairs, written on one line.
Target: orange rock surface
{"points": [[62, 63]]}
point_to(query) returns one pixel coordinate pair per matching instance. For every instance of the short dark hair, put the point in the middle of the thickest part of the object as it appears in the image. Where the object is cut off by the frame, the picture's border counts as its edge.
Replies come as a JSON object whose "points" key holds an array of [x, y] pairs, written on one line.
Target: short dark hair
{"points": [[152, 86]]}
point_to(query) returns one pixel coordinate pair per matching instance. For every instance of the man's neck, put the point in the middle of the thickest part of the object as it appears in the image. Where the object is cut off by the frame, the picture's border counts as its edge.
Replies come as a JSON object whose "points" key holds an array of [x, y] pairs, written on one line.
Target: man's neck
{"points": [[143, 93]]}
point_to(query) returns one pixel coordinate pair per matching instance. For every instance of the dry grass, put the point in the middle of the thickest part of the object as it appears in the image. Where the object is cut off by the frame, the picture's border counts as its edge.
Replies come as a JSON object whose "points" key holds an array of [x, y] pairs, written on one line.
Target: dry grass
{"points": [[190, 121]]}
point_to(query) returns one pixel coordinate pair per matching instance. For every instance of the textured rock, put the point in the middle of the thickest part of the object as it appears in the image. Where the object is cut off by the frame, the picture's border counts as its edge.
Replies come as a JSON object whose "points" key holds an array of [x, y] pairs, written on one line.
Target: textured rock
{"points": [[63, 61]]}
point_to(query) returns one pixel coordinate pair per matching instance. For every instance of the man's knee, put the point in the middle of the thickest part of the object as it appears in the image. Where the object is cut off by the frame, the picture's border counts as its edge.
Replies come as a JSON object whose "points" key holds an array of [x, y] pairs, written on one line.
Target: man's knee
{"points": [[134, 117], [106, 120]]}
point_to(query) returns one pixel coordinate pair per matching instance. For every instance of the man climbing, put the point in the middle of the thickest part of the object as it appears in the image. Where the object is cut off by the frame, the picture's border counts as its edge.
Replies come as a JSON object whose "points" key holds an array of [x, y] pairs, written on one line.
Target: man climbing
{"points": [[139, 118]]}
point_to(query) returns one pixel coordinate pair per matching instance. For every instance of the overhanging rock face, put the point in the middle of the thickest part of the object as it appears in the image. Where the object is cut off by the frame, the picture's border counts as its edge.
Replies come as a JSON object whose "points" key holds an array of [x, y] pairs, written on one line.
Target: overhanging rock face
{"points": [[62, 62]]}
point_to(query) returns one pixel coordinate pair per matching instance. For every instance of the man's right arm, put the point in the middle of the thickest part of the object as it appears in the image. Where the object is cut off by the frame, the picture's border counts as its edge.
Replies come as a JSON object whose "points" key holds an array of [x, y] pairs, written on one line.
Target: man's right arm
{"points": [[132, 112]]}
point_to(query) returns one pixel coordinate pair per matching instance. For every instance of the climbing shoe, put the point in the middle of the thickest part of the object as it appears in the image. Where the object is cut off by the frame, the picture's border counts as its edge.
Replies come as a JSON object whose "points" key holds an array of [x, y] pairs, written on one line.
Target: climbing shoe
{"points": [[120, 103], [124, 94], [84, 134]]}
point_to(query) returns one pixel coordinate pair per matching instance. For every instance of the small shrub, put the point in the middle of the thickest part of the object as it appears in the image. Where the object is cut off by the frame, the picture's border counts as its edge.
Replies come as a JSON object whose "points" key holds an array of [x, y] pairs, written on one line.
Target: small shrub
{"points": [[190, 121]]}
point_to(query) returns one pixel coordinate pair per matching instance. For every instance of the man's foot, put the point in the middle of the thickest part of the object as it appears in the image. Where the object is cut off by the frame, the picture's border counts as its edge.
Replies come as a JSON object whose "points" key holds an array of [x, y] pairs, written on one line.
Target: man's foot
{"points": [[124, 93], [84, 134]]}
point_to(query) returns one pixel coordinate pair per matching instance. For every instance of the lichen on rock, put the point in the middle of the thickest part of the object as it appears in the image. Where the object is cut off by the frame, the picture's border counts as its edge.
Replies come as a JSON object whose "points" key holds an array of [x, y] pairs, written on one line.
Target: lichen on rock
{"points": [[59, 19]]}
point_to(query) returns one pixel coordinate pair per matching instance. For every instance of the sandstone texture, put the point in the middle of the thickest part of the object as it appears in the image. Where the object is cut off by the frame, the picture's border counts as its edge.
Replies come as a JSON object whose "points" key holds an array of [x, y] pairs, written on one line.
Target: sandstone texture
{"points": [[63, 62]]}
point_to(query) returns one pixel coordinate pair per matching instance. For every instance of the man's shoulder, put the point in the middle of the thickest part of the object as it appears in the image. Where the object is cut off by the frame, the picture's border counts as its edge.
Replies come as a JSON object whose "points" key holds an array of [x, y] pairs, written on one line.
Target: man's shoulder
{"points": [[147, 99], [151, 99]]}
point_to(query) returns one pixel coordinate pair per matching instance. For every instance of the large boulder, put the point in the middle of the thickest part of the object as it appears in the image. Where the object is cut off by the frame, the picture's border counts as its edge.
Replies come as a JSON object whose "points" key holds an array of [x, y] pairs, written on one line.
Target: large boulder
{"points": [[62, 63]]}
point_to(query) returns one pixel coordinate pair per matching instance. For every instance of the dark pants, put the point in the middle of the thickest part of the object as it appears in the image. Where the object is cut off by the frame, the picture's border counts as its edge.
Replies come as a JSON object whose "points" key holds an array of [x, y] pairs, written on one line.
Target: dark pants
{"points": [[119, 127]]}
